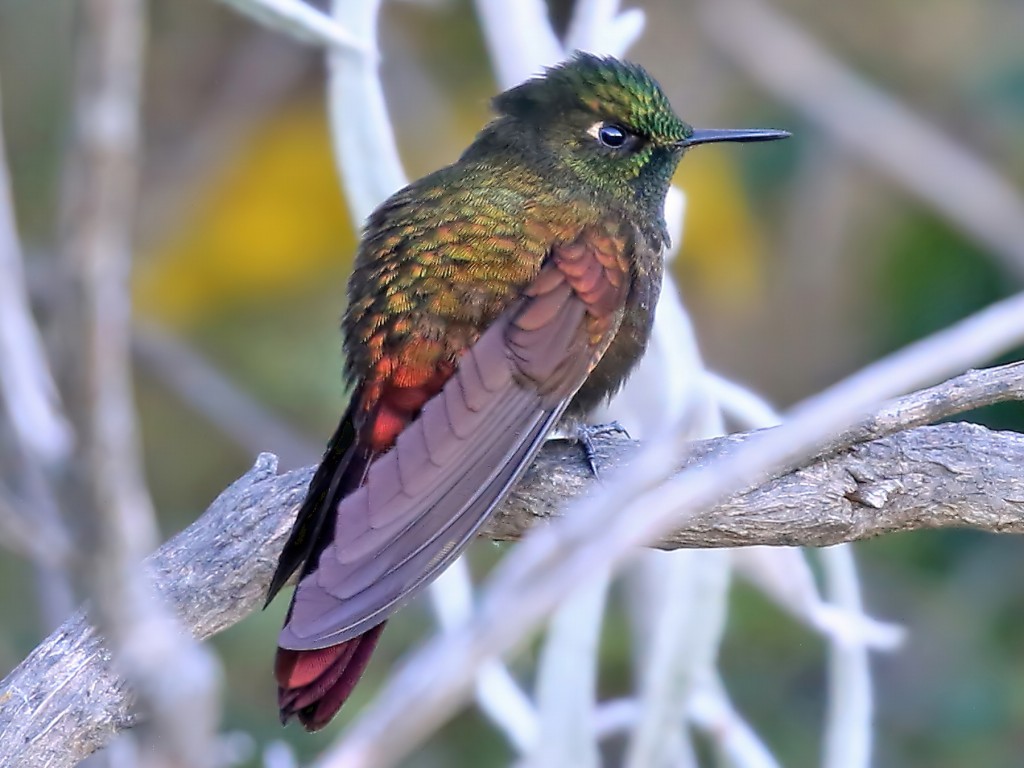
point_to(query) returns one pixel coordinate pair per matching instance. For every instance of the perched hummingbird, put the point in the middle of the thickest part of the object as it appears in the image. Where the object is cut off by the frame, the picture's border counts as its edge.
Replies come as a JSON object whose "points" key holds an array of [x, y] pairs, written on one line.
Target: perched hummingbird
{"points": [[489, 300]]}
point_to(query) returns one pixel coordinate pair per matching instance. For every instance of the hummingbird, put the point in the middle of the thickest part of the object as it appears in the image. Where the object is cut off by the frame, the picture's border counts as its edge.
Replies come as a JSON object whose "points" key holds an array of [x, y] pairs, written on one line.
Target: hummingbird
{"points": [[489, 301]]}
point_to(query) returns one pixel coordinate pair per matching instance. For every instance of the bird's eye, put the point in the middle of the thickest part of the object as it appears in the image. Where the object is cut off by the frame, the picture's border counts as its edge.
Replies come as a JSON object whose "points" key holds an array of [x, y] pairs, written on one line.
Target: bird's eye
{"points": [[612, 135]]}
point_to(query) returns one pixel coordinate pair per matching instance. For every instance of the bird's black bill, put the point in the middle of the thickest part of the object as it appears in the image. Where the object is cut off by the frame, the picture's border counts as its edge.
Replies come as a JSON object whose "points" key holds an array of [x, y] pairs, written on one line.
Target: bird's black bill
{"points": [[711, 135]]}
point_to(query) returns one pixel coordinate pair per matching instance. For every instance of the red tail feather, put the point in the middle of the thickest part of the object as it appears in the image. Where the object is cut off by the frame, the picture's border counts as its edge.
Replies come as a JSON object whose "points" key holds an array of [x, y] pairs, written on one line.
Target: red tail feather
{"points": [[313, 685]]}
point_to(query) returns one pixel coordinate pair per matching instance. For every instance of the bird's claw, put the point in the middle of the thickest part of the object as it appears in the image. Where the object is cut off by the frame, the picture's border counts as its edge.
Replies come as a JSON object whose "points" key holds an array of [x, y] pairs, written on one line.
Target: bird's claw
{"points": [[585, 434]]}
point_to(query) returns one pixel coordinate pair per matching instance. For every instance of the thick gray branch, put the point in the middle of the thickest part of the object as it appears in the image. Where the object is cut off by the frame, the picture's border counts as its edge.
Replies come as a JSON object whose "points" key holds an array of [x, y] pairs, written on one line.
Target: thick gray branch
{"points": [[64, 702]]}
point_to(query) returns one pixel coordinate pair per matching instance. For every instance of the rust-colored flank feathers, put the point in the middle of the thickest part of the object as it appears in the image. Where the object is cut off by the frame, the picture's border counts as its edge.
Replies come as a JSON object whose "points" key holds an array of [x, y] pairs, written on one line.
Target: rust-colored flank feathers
{"points": [[489, 299]]}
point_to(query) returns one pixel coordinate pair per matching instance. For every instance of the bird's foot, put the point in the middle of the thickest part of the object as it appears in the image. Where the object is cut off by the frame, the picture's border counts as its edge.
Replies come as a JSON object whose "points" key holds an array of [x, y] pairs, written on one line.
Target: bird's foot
{"points": [[585, 434]]}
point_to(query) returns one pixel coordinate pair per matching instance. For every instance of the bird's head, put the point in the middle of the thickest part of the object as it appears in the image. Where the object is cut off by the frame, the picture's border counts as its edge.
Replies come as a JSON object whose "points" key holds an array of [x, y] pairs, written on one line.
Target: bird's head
{"points": [[609, 123]]}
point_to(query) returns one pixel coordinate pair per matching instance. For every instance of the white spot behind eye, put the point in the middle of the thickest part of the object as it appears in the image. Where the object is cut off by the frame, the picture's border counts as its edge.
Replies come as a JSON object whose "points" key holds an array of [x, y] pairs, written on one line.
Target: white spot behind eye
{"points": [[595, 129]]}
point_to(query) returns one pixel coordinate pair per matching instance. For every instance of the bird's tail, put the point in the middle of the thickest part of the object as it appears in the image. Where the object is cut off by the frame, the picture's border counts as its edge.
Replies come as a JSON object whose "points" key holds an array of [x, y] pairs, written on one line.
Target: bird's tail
{"points": [[313, 685]]}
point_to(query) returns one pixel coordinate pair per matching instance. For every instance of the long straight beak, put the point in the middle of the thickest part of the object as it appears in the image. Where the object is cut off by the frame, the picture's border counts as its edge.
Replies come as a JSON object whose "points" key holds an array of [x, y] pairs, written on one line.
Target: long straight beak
{"points": [[710, 135]]}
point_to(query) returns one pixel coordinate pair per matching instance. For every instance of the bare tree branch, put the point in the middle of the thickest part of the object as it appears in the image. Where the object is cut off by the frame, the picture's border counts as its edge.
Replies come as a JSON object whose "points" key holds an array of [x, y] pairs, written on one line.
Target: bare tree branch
{"points": [[65, 700]]}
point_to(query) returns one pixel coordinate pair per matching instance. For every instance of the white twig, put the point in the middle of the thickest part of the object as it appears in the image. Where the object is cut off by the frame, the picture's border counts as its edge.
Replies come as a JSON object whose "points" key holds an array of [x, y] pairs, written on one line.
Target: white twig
{"points": [[302, 22], [687, 632], [567, 680], [44, 439], [671, 374], [497, 693], [26, 383], [519, 38], [744, 407], [736, 743], [361, 133], [848, 734], [785, 575], [598, 27], [32, 539], [619, 715]]}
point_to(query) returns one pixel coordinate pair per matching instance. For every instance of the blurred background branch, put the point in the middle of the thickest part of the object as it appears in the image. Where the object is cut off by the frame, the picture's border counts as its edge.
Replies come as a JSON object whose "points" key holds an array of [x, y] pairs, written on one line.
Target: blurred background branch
{"points": [[920, 158], [219, 400], [303, 22], [43, 439]]}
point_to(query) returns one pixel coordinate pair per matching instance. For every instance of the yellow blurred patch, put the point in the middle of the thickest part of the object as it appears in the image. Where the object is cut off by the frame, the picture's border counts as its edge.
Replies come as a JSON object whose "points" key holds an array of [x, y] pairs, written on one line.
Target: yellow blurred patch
{"points": [[269, 221], [722, 247]]}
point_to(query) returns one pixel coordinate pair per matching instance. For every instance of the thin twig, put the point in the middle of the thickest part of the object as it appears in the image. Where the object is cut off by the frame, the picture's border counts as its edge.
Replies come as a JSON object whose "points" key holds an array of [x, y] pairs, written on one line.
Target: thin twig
{"points": [[788, 62], [497, 692], [678, 633], [201, 386], [26, 382], [735, 742], [567, 680], [848, 732], [31, 539], [784, 576], [519, 39], [44, 438], [302, 22], [364, 149], [599, 26], [688, 632]]}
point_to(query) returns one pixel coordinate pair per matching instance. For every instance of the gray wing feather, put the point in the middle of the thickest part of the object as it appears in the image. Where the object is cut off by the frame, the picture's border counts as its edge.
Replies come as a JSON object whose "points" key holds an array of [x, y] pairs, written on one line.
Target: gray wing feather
{"points": [[424, 500]]}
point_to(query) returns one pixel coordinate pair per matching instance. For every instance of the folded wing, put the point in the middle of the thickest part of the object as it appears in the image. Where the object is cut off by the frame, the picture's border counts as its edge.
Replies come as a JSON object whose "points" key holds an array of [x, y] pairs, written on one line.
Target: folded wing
{"points": [[422, 501]]}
